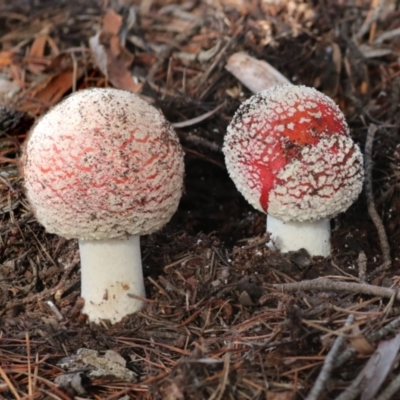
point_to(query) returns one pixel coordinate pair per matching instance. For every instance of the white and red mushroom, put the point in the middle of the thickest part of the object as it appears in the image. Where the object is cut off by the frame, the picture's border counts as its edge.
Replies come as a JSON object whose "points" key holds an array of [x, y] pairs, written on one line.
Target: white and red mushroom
{"points": [[289, 152], [105, 167]]}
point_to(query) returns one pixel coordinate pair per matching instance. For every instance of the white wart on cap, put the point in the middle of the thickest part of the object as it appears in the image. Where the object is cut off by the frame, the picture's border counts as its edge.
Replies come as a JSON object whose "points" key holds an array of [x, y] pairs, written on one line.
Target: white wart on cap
{"points": [[104, 166], [289, 152]]}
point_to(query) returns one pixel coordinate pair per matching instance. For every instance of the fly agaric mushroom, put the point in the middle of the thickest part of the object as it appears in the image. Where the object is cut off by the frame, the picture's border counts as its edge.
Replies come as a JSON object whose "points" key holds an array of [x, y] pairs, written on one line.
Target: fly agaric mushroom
{"points": [[105, 167], [289, 152]]}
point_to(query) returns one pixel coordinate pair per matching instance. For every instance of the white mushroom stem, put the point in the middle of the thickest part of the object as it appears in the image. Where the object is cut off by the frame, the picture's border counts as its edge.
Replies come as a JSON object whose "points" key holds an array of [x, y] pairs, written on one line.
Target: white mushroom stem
{"points": [[111, 271], [291, 236]]}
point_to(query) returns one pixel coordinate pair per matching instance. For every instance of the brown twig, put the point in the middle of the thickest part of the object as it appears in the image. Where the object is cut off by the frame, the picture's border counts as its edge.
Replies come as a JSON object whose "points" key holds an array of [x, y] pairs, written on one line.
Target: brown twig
{"points": [[28, 358], [201, 142], [204, 77], [198, 119], [217, 395], [328, 366], [10, 386], [387, 261], [328, 284], [372, 17], [362, 266]]}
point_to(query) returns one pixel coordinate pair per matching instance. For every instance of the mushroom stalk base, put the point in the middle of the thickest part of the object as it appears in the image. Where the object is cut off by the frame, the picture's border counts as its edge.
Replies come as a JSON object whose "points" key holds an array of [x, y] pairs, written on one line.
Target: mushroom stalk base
{"points": [[291, 236], [111, 271]]}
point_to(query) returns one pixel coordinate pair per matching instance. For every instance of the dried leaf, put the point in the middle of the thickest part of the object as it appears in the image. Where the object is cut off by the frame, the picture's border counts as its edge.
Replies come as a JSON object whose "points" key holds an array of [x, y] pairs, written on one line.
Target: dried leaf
{"points": [[301, 258], [47, 93], [6, 58], [37, 52], [38, 46], [111, 57], [287, 395], [246, 300], [379, 366], [250, 293], [60, 62], [360, 343]]}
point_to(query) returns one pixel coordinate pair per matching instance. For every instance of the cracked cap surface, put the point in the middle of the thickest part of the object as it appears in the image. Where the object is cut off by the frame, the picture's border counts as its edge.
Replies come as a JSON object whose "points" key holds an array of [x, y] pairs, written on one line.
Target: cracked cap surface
{"points": [[289, 152], [102, 164]]}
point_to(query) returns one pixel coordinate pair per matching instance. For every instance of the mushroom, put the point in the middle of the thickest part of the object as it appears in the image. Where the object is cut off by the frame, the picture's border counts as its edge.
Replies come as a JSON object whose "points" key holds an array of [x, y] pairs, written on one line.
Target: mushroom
{"points": [[105, 167], [289, 152]]}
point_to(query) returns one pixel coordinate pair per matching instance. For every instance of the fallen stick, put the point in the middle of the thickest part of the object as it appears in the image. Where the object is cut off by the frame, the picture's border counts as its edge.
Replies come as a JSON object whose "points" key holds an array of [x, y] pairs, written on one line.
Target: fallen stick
{"points": [[255, 74], [323, 284], [328, 366]]}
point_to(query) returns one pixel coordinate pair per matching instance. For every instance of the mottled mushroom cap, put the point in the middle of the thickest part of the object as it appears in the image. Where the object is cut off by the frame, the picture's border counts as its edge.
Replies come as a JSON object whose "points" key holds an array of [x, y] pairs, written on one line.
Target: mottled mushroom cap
{"points": [[102, 164], [289, 152]]}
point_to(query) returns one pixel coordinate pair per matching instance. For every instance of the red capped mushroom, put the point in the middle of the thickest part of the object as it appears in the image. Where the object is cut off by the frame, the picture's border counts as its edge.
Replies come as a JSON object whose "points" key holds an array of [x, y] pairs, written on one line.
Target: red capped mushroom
{"points": [[289, 152], [105, 167]]}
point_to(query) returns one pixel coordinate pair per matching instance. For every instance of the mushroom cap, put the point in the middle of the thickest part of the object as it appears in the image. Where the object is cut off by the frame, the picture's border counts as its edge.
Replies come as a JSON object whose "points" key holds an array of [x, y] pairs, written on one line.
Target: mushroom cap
{"points": [[103, 164], [289, 152]]}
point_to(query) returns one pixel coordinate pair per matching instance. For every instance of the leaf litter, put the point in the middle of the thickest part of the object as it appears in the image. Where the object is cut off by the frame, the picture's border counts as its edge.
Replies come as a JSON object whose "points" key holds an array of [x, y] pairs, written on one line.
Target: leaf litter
{"points": [[226, 318]]}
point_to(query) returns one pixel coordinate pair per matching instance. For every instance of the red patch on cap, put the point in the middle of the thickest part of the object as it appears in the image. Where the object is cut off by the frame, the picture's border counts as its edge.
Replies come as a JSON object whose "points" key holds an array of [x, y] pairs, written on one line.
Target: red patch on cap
{"points": [[309, 125]]}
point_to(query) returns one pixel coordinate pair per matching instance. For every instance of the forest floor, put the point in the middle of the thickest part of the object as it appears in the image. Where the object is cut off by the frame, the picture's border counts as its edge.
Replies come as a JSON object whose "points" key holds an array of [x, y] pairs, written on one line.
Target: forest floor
{"points": [[226, 318]]}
